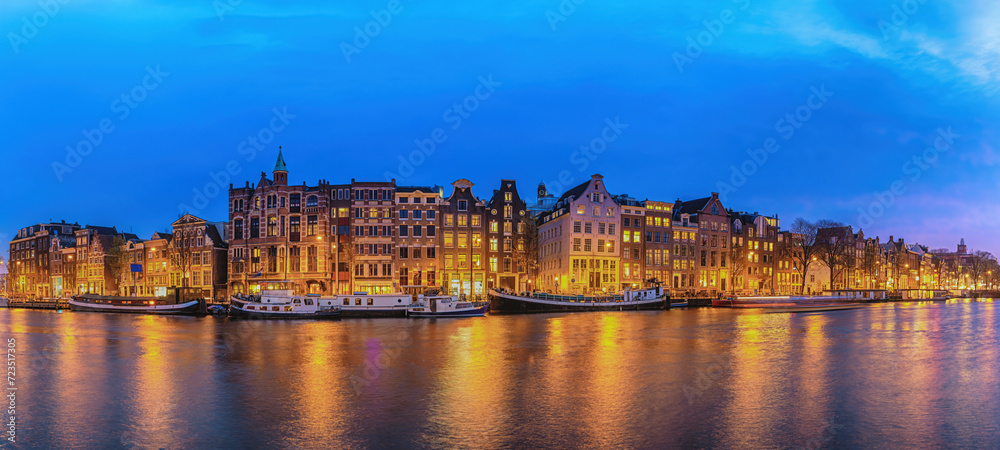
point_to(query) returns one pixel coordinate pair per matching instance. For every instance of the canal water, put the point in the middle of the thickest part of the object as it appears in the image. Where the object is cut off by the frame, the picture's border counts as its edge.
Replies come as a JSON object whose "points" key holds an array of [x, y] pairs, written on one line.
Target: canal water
{"points": [[911, 375]]}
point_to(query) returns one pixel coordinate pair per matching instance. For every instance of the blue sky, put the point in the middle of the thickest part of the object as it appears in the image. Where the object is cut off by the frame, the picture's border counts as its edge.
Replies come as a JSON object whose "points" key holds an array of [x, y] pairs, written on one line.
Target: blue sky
{"points": [[899, 74]]}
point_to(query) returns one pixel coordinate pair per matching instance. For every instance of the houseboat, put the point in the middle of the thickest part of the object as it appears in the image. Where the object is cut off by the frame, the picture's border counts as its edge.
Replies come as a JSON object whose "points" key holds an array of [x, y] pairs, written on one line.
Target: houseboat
{"points": [[362, 304], [178, 301], [446, 306], [280, 301], [504, 302]]}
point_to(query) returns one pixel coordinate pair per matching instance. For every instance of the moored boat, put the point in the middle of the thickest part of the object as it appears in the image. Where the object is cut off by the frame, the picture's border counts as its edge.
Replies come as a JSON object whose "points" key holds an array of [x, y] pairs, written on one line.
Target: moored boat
{"points": [[179, 301], [508, 302], [283, 304], [446, 306], [361, 304]]}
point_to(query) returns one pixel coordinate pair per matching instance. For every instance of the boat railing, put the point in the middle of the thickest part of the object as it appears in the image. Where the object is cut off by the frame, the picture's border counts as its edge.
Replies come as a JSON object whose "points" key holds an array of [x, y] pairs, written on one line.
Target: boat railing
{"points": [[578, 298]]}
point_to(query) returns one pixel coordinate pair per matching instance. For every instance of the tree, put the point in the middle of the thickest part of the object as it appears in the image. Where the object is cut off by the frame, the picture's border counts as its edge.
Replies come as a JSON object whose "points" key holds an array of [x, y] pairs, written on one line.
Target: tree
{"points": [[803, 249], [526, 253], [835, 244], [347, 257], [118, 261], [180, 251], [870, 264], [738, 260], [978, 267]]}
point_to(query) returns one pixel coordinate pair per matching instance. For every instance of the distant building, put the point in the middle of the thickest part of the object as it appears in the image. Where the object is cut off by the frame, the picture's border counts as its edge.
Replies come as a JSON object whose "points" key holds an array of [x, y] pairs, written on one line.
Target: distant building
{"points": [[659, 242], [753, 240], [544, 201], [373, 222], [197, 255]]}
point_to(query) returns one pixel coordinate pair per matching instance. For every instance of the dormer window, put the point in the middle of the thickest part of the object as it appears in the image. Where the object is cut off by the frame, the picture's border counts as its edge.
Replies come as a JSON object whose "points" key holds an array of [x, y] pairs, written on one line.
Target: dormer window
{"points": [[463, 205], [595, 197], [715, 210]]}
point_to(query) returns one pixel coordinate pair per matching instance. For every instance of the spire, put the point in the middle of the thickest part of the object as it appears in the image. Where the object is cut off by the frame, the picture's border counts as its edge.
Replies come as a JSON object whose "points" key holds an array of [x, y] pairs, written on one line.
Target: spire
{"points": [[279, 166]]}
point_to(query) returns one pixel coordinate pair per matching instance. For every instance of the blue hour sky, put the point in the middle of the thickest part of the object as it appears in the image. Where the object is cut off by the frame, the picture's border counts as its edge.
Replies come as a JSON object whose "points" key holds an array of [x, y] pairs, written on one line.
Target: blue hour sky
{"points": [[127, 113]]}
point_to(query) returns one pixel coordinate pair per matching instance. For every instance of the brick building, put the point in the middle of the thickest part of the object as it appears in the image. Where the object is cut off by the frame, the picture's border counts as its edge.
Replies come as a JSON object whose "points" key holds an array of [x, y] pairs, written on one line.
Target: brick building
{"points": [[463, 244], [506, 214], [373, 222], [659, 233], [281, 233], [711, 245], [418, 262], [633, 232]]}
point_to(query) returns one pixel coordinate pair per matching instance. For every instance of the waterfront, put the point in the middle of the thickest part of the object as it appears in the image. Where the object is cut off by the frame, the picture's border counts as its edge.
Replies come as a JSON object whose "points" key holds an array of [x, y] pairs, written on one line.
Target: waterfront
{"points": [[904, 375]]}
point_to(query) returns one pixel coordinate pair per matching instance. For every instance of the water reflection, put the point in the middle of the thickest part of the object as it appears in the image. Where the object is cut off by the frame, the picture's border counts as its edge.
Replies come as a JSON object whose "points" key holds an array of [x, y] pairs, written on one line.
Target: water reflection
{"points": [[912, 375]]}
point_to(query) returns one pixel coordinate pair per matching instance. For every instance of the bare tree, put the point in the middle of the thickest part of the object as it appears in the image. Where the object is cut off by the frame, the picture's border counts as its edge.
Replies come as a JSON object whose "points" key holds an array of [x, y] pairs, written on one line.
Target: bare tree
{"points": [[738, 256], [978, 267], [803, 250], [348, 257], [118, 261], [834, 241], [870, 264], [526, 253], [180, 251]]}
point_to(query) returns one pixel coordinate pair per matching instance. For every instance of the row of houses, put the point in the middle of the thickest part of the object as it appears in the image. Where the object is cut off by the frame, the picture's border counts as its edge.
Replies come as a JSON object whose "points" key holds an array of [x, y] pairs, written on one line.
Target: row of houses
{"points": [[381, 237]]}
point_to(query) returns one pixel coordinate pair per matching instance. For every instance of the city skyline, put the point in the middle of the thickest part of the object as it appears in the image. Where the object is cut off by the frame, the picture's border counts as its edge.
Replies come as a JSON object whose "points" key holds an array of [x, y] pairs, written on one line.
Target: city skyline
{"points": [[198, 81]]}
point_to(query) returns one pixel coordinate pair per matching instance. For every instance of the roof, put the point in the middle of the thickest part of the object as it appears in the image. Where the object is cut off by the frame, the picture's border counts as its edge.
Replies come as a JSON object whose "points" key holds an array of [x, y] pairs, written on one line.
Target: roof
{"points": [[406, 189], [213, 233], [102, 230], [693, 206], [280, 166], [575, 192]]}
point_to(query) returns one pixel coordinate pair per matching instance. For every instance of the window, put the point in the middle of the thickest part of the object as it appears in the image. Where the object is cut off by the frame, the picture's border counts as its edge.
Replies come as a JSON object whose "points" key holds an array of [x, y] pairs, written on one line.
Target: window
{"points": [[601, 228], [404, 230], [449, 220], [580, 210], [462, 220], [611, 229], [430, 230], [403, 214], [416, 230], [294, 201], [463, 240], [238, 229], [576, 244], [311, 258], [449, 239], [416, 214], [493, 244], [272, 226], [587, 245], [588, 228], [476, 220], [403, 252], [311, 225], [600, 245], [254, 228], [577, 226], [431, 213], [463, 205]]}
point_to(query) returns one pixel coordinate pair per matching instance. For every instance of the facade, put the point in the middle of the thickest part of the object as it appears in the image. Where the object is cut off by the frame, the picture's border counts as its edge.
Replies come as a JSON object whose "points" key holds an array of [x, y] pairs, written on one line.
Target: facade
{"points": [[418, 263], [633, 242], [463, 244], [281, 233], [198, 256], [712, 244], [579, 252], [29, 264], [685, 263], [753, 256], [659, 242], [506, 218], [373, 222], [93, 273]]}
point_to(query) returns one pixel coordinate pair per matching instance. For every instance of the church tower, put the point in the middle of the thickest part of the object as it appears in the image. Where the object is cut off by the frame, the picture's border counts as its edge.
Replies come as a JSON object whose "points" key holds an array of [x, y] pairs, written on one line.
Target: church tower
{"points": [[280, 171]]}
